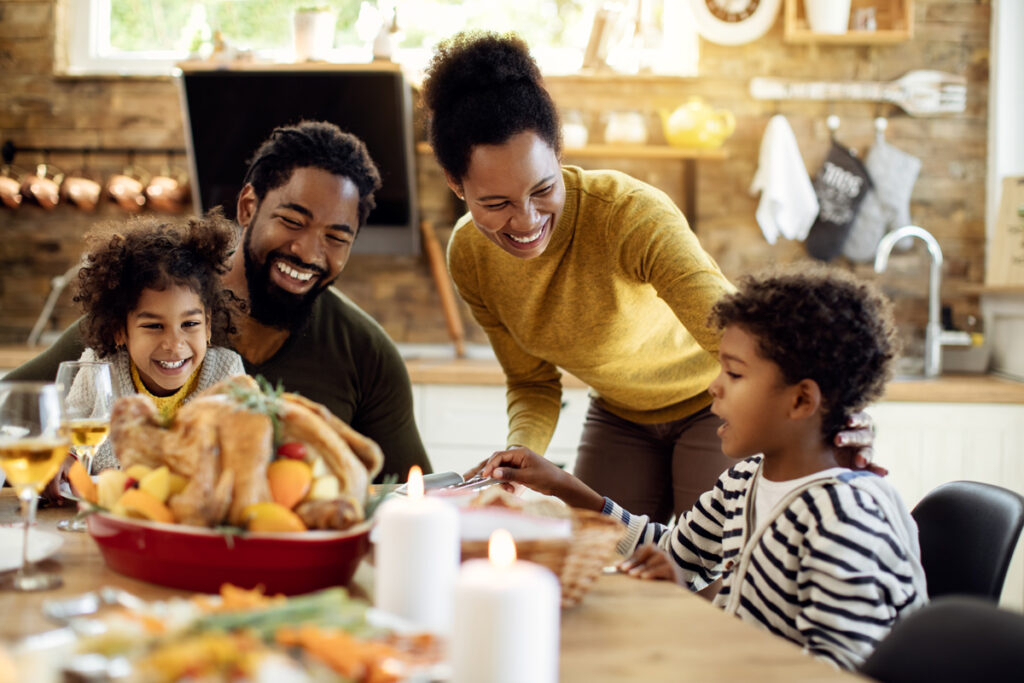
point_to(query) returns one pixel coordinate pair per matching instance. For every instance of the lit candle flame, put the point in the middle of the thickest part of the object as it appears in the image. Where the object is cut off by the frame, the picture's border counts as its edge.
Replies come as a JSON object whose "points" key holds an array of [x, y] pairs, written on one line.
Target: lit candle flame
{"points": [[414, 486], [501, 549]]}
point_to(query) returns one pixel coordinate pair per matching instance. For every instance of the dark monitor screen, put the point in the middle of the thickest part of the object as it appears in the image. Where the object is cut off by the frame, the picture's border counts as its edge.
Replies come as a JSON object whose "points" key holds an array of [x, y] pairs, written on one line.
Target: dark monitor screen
{"points": [[229, 113]]}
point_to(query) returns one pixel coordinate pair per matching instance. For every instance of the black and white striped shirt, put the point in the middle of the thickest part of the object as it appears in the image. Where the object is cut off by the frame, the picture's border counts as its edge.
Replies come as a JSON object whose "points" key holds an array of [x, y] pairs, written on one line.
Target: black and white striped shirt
{"points": [[832, 568]]}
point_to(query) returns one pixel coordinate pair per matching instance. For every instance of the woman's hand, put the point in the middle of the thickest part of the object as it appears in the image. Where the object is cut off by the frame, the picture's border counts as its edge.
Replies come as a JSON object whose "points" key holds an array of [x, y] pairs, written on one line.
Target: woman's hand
{"points": [[649, 562], [854, 445], [522, 466]]}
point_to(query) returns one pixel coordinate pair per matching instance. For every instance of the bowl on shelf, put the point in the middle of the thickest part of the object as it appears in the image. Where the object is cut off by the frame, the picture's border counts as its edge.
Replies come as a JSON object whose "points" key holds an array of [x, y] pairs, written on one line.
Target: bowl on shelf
{"points": [[201, 559]]}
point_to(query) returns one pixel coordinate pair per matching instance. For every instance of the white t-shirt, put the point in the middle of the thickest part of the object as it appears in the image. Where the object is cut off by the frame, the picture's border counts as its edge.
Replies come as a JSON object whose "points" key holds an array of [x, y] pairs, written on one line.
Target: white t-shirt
{"points": [[769, 493]]}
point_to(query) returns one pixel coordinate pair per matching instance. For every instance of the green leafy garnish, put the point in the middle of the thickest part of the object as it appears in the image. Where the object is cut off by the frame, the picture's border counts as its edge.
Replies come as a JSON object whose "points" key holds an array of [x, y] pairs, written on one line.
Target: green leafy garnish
{"points": [[331, 607], [263, 400], [229, 532], [379, 492]]}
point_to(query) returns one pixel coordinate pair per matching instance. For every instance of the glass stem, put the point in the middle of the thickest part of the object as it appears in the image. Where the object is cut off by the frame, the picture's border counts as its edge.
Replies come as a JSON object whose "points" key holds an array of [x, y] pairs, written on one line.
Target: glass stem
{"points": [[29, 498]]}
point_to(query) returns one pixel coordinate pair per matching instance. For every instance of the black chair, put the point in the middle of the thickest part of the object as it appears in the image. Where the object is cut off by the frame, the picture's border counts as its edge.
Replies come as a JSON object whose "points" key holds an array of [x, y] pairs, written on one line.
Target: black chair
{"points": [[968, 532], [952, 640]]}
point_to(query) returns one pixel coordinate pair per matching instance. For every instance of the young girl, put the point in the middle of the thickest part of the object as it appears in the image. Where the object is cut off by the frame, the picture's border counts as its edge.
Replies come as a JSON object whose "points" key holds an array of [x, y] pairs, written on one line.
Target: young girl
{"points": [[814, 552], [153, 304]]}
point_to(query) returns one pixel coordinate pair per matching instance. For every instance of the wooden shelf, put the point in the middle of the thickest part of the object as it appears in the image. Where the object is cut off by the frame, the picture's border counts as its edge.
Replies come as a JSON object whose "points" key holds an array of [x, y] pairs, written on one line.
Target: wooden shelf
{"points": [[239, 65], [628, 152], [688, 155], [976, 288], [645, 152], [895, 20]]}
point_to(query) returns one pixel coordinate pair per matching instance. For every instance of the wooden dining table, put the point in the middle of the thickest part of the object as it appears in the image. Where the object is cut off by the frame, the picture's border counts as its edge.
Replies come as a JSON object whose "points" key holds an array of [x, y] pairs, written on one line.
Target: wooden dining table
{"points": [[624, 629]]}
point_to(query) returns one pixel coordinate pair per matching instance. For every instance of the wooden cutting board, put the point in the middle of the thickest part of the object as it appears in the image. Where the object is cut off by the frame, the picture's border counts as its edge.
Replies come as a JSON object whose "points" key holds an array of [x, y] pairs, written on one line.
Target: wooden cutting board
{"points": [[1006, 250]]}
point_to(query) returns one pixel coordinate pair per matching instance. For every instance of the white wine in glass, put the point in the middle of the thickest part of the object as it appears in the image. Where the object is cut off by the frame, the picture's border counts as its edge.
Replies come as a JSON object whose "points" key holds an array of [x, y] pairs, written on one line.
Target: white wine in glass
{"points": [[32, 448], [87, 433], [87, 399]]}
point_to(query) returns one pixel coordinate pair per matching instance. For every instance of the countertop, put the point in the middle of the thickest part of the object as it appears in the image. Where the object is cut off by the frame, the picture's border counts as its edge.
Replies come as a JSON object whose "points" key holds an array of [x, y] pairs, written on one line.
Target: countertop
{"points": [[482, 371], [952, 388]]}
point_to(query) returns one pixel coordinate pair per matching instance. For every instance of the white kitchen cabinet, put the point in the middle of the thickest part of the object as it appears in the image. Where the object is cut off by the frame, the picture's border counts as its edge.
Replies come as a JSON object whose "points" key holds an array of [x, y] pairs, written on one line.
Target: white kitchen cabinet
{"points": [[927, 444], [462, 425]]}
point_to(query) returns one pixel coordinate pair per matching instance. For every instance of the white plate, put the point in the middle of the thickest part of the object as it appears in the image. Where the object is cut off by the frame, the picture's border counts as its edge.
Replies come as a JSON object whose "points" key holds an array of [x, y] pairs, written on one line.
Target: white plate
{"points": [[477, 524], [41, 544]]}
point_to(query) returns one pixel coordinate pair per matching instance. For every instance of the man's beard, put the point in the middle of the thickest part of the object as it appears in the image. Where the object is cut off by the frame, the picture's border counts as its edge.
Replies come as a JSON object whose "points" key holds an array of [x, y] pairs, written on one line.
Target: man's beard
{"points": [[269, 304]]}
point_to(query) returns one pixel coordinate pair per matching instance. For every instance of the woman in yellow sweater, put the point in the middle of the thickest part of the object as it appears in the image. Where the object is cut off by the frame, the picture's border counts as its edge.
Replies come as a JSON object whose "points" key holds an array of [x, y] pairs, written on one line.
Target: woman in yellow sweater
{"points": [[593, 272]]}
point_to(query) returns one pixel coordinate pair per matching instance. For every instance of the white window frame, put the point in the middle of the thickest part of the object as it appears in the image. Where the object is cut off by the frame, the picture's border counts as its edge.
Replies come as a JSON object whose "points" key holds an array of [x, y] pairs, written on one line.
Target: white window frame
{"points": [[85, 33], [83, 39]]}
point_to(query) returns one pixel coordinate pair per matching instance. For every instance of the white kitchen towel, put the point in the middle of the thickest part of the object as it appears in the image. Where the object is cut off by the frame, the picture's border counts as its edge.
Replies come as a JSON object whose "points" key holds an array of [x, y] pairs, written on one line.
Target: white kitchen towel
{"points": [[788, 204]]}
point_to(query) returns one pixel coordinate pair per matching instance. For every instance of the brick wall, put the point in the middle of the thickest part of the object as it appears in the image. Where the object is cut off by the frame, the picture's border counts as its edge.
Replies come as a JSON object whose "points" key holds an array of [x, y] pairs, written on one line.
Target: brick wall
{"points": [[38, 108]]}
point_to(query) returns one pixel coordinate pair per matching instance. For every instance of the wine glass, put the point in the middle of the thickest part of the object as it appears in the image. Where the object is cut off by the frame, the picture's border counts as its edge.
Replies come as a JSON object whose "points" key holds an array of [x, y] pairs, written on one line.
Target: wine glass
{"points": [[87, 397], [32, 448]]}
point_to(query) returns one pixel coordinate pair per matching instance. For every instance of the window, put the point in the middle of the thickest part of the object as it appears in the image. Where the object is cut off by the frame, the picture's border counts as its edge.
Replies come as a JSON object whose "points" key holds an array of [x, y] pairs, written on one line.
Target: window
{"points": [[150, 36]]}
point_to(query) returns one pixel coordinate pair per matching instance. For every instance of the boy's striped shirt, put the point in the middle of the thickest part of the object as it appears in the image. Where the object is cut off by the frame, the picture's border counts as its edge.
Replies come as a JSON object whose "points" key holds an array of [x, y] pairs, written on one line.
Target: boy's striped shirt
{"points": [[832, 568]]}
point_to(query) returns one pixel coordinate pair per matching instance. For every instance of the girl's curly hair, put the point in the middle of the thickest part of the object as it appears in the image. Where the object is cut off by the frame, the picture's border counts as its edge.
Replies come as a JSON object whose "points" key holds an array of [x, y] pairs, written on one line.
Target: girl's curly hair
{"points": [[821, 324], [153, 253], [482, 88]]}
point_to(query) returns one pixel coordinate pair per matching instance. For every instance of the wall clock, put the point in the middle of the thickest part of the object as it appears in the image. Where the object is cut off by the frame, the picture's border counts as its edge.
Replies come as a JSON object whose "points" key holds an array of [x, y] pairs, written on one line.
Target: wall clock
{"points": [[733, 22]]}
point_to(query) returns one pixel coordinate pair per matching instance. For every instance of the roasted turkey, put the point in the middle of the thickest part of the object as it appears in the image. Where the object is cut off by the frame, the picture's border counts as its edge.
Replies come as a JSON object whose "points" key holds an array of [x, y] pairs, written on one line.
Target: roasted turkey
{"points": [[223, 440]]}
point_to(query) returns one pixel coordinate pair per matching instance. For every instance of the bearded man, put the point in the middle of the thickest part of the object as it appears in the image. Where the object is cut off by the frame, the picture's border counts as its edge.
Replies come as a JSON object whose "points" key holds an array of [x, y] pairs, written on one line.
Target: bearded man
{"points": [[308, 191]]}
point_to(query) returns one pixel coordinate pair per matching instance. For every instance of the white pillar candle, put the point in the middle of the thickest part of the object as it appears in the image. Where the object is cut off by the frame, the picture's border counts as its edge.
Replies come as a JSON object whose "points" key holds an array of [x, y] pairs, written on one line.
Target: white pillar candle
{"points": [[416, 557], [506, 619]]}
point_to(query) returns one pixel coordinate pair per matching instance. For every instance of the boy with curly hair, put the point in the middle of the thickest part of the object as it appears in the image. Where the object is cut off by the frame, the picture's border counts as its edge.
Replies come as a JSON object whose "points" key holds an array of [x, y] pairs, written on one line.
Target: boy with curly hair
{"points": [[153, 302], [822, 555]]}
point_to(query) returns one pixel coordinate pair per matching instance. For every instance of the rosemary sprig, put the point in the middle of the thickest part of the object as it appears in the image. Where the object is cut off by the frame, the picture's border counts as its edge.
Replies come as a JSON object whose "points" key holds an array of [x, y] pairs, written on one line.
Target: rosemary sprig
{"points": [[263, 400], [230, 532], [379, 493]]}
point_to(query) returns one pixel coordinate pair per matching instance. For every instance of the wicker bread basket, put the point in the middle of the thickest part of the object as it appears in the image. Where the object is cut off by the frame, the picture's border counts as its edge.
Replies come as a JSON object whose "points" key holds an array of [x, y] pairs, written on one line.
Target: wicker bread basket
{"points": [[577, 560]]}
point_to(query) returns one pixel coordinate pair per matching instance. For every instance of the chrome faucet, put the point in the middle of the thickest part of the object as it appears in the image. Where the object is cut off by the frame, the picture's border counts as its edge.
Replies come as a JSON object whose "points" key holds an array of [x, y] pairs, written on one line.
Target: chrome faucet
{"points": [[934, 336], [57, 286]]}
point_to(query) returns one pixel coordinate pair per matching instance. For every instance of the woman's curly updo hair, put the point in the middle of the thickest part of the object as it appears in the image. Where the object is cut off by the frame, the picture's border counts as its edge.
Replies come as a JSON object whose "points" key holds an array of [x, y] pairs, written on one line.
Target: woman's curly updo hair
{"points": [[482, 88], [820, 324], [152, 253], [314, 144]]}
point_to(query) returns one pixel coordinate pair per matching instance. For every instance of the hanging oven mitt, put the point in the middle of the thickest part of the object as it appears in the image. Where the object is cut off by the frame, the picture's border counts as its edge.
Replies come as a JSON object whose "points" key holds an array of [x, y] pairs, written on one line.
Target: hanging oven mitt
{"points": [[887, 205], [840, 184]]}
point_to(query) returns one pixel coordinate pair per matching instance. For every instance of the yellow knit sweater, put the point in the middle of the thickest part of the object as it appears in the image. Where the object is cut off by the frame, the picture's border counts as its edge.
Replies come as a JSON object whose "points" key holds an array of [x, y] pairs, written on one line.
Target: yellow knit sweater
{"points": [[620, 299]]}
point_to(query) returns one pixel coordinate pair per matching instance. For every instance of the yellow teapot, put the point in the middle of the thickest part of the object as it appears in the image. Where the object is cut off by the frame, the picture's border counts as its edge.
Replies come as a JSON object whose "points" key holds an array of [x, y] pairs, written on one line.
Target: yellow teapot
{"points": [[697, 124]]}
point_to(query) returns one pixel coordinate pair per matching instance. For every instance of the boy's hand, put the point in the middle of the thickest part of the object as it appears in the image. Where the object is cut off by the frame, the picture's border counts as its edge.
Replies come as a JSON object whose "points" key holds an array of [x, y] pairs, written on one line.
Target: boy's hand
{"points": [[522, 466], [648, 562], [853, 445]]}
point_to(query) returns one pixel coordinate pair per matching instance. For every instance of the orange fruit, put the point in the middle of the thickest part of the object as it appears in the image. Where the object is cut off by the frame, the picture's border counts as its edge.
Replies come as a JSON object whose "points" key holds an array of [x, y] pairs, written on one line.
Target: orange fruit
{"points": [[326, 487], [138, 503], [270, 516], [289, 481], [157, 483], [81, 482], [138, 471], [177, 483], [110, 487]]}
